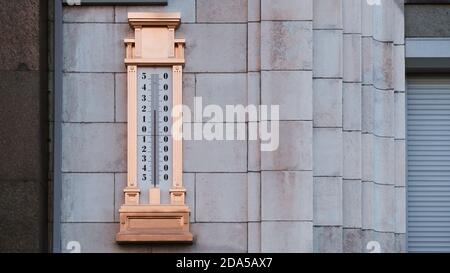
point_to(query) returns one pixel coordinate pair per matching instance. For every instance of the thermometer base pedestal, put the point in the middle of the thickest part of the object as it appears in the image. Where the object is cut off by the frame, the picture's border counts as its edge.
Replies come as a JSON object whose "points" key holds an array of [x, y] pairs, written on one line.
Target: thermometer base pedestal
{"points": [[154, 223]]}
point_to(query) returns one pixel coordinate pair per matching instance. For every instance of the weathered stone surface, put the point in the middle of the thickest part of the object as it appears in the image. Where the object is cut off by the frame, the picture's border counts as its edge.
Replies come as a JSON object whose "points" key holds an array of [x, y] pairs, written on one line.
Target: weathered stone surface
{"points": [[351, 206], [291, 90], [254, 10], [327, 103], [383, 113], [214, 193], [328, 239], [105, 53], [328, 53], [383, 60], [214, 238], [86, 14], [367, 60], [367, 205], [95, 147], [87, 198], [222, 156], [352, 240], [295, 148], [284, 237], [213, 11], [254, 47], [121, 100], [88, 97], [286, 196], [328, 152], [222, 90], [352, 56], [328, 201], [287, 10], [352, 155], [384, 208], [400, 209], [185, 7], [215, 47], [351, 106], [328, 14], [254, 196], [95, 238], [400, 115], [385, 240], [277, 50], [254, 237], [352, 16], [383, 160], [400, 163]]}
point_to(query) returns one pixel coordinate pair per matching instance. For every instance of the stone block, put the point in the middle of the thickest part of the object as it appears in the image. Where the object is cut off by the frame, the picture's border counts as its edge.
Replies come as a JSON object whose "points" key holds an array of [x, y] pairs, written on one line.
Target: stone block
{"points": [[328, 201], [185, 7], [286, 237], [95, 238], [400, 115], [367, 157], [87, 197], [400, 210], [328, 147], [328, 240], [328, 53], [328, 14], [367, 115], [295, 148], [291, 90], [384, 211], [215, 156], [222, 90], [86, 14], [383, 113], [221, 197], [254, 47], [105, 53], [367, 205], [286, 196], [351, 106], [399, 68], [352, 155], [352, 16], [254, 151], [281, 10], [212, 238], [367, 61], [352, 203], [327, 103], [383, 65], [352, 56], [286, 45], [254, 10], [384, 160], [94, 147], [88, 97], [352, 240], [400, 163], [383, 21], [254, 237], [254, 196], [215, 47], [121, 97], [219, 11]]}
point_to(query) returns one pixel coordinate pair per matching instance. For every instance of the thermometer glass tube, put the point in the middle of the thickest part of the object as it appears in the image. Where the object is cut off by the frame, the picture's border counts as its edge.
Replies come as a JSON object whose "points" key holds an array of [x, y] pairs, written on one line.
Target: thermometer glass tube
{"points": [[154, 125]]}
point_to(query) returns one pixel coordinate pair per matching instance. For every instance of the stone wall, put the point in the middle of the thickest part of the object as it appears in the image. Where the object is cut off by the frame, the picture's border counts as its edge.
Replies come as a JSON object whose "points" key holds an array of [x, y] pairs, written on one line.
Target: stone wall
{"points": [[23, 130], [335, 67]]}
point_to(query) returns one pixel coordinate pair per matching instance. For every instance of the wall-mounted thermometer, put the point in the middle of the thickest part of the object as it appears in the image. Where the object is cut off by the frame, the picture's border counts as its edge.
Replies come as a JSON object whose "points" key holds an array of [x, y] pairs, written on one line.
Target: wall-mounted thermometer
{"points": [[154, 209]]}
